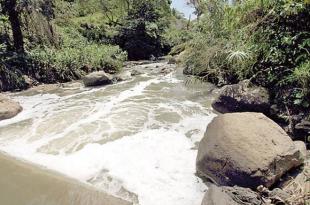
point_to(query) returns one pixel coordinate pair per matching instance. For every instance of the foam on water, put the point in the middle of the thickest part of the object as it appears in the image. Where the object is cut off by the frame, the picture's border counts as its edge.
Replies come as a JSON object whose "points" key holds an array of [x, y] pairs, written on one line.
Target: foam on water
{"points": [[156, 161]]}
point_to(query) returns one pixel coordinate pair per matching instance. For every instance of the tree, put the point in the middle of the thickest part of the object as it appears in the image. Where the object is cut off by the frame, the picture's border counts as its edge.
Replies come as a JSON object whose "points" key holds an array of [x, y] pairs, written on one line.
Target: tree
{"points": [[141, 31], [10, 7]]}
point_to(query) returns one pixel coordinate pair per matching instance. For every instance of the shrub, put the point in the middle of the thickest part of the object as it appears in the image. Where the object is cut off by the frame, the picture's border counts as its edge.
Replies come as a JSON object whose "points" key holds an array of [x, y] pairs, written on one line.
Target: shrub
{"points": [[265, 41], [67, 62], [302, 76], [141, 32], [222, 48]]}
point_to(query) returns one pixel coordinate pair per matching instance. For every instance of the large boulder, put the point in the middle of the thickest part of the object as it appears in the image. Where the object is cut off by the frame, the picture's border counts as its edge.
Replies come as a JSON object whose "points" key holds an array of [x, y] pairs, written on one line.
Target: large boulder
{"points": [[97, 79], [242, 97], [8, 108], [230, 196], [247, 150]]}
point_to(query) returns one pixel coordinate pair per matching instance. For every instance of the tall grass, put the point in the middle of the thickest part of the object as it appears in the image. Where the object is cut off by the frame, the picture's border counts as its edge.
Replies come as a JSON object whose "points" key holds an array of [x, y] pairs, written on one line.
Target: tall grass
{"points": [[265, 41]]}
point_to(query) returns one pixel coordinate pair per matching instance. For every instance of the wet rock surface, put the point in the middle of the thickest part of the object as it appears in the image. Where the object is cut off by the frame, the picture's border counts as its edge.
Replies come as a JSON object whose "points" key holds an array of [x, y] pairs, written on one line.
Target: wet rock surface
{"points": [[8, 108]]}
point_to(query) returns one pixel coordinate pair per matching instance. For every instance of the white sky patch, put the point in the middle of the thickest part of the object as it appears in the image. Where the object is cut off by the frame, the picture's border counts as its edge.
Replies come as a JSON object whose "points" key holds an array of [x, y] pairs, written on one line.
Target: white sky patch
{"points": [[183, 7]]}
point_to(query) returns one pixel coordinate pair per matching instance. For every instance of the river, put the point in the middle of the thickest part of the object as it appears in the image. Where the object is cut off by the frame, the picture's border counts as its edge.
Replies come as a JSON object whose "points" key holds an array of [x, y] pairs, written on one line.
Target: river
{"points": [[136, 139]]}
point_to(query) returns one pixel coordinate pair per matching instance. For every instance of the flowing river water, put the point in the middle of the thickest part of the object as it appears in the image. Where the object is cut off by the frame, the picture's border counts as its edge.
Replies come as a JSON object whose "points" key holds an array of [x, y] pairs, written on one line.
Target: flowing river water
{"points": [[136, 139]]}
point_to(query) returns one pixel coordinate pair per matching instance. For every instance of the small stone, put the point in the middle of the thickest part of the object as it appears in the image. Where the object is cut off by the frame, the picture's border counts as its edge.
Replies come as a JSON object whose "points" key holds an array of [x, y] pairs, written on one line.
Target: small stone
{"points": [[97, 79]]}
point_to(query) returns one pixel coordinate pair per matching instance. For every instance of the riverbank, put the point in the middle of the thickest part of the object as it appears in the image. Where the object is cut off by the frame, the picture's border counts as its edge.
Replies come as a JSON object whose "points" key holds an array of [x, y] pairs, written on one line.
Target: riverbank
{"points": [[98, 135], [265, 43], [276, 171]]}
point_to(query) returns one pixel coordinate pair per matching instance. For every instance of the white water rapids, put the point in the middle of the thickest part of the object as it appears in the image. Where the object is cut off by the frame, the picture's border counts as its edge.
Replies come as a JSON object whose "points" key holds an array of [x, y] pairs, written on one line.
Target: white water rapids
{"points": [[136, 139]]}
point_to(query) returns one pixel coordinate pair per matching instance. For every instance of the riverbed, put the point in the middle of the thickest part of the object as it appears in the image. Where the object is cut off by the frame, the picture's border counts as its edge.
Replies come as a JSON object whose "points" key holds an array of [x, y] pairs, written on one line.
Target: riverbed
{"points": [[136, 139]]}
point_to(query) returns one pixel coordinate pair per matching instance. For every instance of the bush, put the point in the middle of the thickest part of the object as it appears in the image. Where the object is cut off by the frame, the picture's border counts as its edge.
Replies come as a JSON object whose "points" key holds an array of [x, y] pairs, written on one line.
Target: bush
{"points": [[11, 79], [141, 32], [265, 41], [67, 63], [178, 32]]}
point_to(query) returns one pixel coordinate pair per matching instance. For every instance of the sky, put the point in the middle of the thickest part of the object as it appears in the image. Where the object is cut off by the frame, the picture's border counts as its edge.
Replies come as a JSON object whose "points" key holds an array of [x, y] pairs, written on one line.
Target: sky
{"points": [[181, 6]]}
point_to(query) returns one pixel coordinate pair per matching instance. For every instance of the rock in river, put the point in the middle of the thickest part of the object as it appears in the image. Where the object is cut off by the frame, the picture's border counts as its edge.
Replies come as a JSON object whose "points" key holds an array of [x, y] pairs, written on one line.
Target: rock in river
{"points": [[123, 76], [242, 97], [247, 150], [8, 108], [230, 196], [97, 79]]}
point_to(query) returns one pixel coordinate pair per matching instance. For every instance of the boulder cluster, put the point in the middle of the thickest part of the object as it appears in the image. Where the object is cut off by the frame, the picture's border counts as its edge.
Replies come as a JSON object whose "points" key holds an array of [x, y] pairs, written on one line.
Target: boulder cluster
{"points": [[249, 159]]}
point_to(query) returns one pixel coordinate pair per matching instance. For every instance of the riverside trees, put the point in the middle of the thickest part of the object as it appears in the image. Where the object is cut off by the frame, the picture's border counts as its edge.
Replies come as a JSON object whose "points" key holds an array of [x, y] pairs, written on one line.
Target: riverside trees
{"points": [[9, 7], [141, 32], [58, 38]]}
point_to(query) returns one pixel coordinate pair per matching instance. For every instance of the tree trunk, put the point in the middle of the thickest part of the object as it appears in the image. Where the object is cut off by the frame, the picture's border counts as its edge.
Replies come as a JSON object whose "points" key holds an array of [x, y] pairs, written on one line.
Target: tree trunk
{"points": [[16, 25]]}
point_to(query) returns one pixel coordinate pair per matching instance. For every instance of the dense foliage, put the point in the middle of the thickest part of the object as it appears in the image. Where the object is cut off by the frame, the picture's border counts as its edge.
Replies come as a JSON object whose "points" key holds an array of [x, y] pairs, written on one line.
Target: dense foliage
{"points": [[265, 41], [56, 40], [141, 33]]}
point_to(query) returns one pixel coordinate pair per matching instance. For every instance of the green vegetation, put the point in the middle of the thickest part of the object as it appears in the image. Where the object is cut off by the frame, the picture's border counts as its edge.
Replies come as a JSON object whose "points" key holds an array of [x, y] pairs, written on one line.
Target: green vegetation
{"points": [[61, 40], [143, 27], [265, 41], [178, 32]]}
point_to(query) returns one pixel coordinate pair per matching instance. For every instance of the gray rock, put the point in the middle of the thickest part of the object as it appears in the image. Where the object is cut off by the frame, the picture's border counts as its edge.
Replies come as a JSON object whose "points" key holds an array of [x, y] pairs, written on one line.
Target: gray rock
{"points": [[166, 70], [136, 72], [231, 196], [243, 196], [217, 196], [301, 146], [8, 108], [247, 150], [304, 124], [278, 195], [97, 79], [242, 97], [303, 128], [123, 76], [172, 60], [30, 82]]}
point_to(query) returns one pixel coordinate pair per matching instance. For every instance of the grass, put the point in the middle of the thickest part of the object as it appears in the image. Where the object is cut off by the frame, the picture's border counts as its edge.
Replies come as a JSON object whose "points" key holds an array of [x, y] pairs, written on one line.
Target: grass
{"points": [[67, 59], [257, 40]]}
